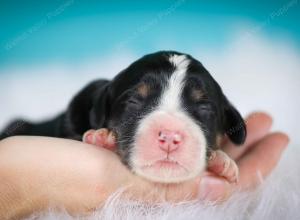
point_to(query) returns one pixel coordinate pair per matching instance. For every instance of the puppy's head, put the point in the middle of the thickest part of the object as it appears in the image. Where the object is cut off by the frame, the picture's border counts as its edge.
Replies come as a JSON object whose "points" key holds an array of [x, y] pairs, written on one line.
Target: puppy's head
{"points": [[167, 112]]}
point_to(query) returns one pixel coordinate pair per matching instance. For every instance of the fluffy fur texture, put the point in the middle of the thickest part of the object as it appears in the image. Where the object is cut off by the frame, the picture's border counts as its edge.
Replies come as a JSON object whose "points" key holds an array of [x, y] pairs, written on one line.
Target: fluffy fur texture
{"points": [[277, 198]]}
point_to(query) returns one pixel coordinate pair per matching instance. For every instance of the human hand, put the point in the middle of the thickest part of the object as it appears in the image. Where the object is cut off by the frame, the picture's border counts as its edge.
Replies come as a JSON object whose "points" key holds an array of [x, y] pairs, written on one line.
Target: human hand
{"points": [[38, 172], [255, 159]]}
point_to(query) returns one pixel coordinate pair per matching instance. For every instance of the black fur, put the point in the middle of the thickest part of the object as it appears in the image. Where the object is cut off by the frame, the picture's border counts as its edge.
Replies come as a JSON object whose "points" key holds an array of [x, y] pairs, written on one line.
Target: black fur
{"points": [[116, 105]]}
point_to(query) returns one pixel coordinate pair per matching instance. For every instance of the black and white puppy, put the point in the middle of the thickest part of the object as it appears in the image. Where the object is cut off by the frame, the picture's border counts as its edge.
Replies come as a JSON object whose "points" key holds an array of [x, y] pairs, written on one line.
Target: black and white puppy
{"points": [[165, 111]]}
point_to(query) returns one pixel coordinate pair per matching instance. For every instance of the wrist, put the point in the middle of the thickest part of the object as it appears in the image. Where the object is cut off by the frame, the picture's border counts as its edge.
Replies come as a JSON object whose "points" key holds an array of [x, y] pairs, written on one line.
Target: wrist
{"points": [[17, 199]]}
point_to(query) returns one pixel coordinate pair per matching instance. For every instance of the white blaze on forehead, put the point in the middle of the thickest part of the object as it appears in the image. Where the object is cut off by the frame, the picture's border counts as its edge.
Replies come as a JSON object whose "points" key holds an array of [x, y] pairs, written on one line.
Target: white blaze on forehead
{"points": [[170, 99]]}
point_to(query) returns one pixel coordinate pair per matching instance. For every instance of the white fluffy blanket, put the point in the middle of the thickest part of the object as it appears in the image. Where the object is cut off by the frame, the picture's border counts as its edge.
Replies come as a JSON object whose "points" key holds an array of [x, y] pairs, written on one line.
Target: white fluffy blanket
{"points": [[277, 198]]}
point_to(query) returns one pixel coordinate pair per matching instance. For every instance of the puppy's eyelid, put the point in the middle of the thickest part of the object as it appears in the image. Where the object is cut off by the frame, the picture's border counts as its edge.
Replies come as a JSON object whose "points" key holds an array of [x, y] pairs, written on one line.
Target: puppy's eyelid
{"points": [[133, 101]]}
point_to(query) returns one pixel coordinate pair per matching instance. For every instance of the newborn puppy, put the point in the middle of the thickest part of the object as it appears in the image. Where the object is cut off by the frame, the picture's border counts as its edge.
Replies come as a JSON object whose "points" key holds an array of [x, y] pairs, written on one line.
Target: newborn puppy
{"points": [[163, 115]]}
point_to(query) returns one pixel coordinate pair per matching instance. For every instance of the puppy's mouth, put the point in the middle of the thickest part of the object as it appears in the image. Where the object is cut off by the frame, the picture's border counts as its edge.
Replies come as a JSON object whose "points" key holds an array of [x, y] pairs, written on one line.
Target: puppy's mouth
{"points": [[165, 163], [165, 170]]}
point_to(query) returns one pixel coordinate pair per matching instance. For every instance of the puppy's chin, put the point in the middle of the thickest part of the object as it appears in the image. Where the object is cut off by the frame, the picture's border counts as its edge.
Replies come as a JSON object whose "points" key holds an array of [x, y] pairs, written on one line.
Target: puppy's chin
{"points": [[166, 172]]}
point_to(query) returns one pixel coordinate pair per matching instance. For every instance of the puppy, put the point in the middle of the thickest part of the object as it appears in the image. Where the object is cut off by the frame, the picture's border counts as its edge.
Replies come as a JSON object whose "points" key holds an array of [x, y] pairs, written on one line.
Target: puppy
{"points": [[163, 115]]}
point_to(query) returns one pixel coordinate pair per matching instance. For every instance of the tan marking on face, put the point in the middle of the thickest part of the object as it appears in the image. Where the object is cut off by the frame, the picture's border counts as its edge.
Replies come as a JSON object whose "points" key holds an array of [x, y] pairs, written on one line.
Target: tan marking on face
{"points": [[143, 90], [197, 94]]}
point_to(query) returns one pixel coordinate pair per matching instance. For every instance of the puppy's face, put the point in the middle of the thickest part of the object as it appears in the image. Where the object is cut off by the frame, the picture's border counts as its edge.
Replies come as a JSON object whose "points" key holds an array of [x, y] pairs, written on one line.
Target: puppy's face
{"points": [[167, 112]]}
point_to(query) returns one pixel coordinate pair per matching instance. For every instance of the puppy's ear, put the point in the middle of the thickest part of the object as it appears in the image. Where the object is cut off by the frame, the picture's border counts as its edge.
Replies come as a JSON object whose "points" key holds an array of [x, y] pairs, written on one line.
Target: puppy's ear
{"points": [[233, 123], [87, 109], [100, 108]]}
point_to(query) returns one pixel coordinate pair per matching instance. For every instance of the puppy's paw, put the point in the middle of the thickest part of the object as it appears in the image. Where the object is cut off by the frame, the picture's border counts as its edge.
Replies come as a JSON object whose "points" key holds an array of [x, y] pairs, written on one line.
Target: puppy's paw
{"points": [[221, 164], [101, 137]]}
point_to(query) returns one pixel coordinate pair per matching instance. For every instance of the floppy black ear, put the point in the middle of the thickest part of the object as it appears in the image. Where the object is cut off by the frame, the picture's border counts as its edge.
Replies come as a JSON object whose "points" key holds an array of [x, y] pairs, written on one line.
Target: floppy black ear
{"points": [[87, 109], [234, 124], [100, 108]]}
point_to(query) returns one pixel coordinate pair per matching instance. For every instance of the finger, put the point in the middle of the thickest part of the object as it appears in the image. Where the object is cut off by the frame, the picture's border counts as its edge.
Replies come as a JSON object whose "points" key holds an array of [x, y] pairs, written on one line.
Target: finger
{"points": [[258, 125], [222, 165], [261, 159]]}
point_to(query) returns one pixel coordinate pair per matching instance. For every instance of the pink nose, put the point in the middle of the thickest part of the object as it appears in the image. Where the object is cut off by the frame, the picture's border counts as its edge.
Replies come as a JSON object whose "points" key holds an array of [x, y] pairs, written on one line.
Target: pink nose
{"points": [[169, 141]]}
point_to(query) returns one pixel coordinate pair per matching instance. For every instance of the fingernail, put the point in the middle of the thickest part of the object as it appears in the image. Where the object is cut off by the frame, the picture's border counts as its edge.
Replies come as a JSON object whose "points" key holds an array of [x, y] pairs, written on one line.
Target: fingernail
{"points": [[211, 189]]}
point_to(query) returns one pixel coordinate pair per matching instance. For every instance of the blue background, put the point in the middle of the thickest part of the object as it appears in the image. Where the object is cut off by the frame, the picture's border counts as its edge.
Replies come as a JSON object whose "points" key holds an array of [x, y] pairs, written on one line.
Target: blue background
{"points": [[78, 29], [50, 49]]}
